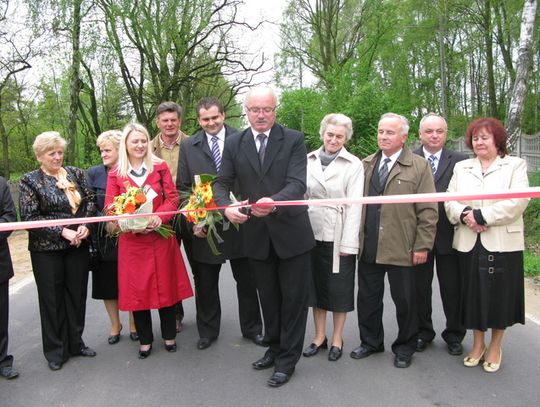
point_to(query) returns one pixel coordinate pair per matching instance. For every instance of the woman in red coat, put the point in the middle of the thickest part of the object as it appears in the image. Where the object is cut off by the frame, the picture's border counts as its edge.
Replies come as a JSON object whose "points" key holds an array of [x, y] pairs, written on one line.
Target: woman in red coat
{"points": [[151, 271]]}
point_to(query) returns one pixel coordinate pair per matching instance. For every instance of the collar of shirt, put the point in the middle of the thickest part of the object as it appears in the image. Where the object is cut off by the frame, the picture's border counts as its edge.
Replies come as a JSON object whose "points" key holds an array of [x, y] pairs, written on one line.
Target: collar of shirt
{"points": [[393, 159], [138, 180], [170, 146], [437, 155], [221, 139], [256, 133]]}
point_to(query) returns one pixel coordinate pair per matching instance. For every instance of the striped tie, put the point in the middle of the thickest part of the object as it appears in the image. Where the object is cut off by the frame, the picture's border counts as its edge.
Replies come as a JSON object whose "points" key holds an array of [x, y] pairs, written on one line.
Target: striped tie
{"points": [[431, 160], [216, 155], [383, 172], [262, 146]]}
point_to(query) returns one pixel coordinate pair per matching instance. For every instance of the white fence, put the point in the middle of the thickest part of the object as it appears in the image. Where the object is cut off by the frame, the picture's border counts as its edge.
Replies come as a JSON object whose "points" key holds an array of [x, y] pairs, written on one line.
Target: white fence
{"points": [[528, 148]]}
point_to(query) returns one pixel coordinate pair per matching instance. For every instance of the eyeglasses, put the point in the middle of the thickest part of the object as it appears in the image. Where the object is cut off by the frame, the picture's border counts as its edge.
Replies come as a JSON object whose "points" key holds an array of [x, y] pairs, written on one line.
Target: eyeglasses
{"points": [[258, 110]]}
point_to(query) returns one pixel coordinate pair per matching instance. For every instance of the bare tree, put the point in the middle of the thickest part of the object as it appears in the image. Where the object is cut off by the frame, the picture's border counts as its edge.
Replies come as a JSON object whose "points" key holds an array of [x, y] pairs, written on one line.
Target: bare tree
{"points": [[519, 91], [173, 50], [15, 55]]}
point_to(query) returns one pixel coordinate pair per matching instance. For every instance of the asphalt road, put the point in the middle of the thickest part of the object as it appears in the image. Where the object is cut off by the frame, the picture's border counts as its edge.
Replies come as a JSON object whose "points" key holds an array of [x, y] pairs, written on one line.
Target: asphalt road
{"points": [[222, 375]]}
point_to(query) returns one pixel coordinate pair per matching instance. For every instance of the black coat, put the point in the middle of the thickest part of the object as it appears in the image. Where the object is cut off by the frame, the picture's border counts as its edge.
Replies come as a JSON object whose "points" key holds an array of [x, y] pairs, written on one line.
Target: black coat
{"points": [[445, 169], [196, 159], [41, 199], [105, 245], [282, 178], [7, 214]]}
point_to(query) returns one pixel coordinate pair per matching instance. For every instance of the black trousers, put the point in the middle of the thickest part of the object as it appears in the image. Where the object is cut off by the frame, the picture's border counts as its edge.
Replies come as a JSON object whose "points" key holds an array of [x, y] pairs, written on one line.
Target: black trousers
{"points": [[61, 279], [370, 306], [5, 359], [143, 323], [207, 301], [284, 291], [449, 276]]}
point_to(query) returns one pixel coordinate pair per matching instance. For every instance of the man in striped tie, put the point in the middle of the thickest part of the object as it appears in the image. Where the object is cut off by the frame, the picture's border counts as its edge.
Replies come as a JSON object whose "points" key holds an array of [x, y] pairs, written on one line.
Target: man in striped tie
{"points": [[201, 154], [433, 132]]}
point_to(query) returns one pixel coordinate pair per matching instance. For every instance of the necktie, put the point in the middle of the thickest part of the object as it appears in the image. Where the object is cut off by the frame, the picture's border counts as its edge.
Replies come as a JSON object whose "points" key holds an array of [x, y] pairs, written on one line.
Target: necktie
{"points": [[431, 160], [262, 146], [216, 155], [138, 174], [383, 172]]}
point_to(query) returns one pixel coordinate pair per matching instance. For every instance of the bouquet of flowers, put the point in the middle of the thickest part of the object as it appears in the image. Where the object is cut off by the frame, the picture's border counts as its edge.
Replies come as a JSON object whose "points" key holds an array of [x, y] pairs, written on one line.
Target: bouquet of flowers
{"points": [[136, 200], [199, 205]]}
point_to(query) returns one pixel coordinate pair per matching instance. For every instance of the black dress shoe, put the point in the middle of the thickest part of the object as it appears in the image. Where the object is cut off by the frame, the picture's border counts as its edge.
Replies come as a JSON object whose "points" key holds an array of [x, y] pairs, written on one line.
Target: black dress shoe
{"points": [[143, 354], [362, 352], [335, 353], [8, 372], [259, 340], [455, 348], [171, 348], [263, 363], [278, 379], [134, 336], [113, 339], [55, 365], [204, 343], [402, 361], [313, 349], [86, 351], [421, 345]]}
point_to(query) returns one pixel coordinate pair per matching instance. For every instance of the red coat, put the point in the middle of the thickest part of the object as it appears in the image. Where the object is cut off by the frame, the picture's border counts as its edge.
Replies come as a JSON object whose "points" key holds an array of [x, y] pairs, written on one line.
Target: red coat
{"points": [[151, 271]]}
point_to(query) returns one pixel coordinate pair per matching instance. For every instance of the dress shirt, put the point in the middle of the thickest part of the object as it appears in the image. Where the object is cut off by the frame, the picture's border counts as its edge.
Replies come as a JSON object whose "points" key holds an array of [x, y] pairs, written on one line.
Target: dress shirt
{"points": [[221, 140]]}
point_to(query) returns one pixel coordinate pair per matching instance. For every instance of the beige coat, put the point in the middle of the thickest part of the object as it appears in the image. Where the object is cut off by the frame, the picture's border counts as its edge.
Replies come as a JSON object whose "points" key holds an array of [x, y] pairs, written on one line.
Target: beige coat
{"points": [[343, 178], [503, 216], [404, 228]]}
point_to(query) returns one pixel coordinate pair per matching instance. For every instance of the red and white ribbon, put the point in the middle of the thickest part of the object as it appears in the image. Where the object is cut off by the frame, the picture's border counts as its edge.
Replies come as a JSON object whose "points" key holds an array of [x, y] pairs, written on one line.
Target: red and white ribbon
{"points": [[382, 199]]}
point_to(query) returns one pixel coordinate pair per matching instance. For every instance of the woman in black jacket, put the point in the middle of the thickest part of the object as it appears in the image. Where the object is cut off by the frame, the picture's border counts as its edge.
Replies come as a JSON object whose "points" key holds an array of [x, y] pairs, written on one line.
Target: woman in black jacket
{"points": [[59, 254]]}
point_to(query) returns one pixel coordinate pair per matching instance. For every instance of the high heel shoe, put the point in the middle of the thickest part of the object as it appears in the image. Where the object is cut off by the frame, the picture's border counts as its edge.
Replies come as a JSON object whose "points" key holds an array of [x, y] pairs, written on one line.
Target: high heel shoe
{"points": [[134, 336], [143, 354], [472, 362], [114, 339], [313, 349], [491, 367]]}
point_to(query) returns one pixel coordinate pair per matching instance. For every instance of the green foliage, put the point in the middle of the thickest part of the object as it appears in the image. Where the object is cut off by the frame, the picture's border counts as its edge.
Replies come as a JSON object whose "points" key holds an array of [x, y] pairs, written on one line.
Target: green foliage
{"points": [[531, 264], [531, 219]]}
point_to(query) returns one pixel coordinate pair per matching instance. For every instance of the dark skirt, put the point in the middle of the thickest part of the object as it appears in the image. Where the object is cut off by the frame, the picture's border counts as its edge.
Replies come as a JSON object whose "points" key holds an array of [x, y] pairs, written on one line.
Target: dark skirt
{"points": [[105, 280], [331, 291], [493, 288]]}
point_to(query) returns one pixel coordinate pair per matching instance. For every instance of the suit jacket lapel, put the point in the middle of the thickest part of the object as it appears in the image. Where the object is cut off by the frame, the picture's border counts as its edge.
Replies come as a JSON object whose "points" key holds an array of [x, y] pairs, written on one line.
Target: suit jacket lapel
{"points": [[273, 145], [202, 143], [250, 150], [444, 163]]}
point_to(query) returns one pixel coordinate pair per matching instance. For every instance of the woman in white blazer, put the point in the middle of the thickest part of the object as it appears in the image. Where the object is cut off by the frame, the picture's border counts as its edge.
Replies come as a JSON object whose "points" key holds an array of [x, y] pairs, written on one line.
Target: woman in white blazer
{"points": [[490, 241], [333, 172]]}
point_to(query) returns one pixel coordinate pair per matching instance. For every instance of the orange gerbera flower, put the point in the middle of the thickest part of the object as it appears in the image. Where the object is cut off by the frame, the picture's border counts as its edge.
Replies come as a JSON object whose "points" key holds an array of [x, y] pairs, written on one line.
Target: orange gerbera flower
{"points": [[129, 208], [140, 198]]}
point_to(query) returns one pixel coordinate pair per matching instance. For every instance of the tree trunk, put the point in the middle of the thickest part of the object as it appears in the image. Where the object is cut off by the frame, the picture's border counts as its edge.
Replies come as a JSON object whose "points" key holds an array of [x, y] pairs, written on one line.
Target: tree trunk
{"points": [[488, 42], [5, 149], [519, 91], [442, 56], [75, 86]]}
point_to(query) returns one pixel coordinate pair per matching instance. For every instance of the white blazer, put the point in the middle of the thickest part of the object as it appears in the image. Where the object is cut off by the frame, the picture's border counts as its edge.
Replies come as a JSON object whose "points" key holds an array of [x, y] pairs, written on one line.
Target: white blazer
{"points": [[343, 178], [503, 217]]}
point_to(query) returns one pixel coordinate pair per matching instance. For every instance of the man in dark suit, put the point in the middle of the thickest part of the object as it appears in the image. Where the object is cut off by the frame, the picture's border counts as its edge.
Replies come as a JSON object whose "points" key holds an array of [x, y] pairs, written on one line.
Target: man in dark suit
{"points": [[7, 214], [201, 154], [433, 132], [394, 239], [269, 163]]}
